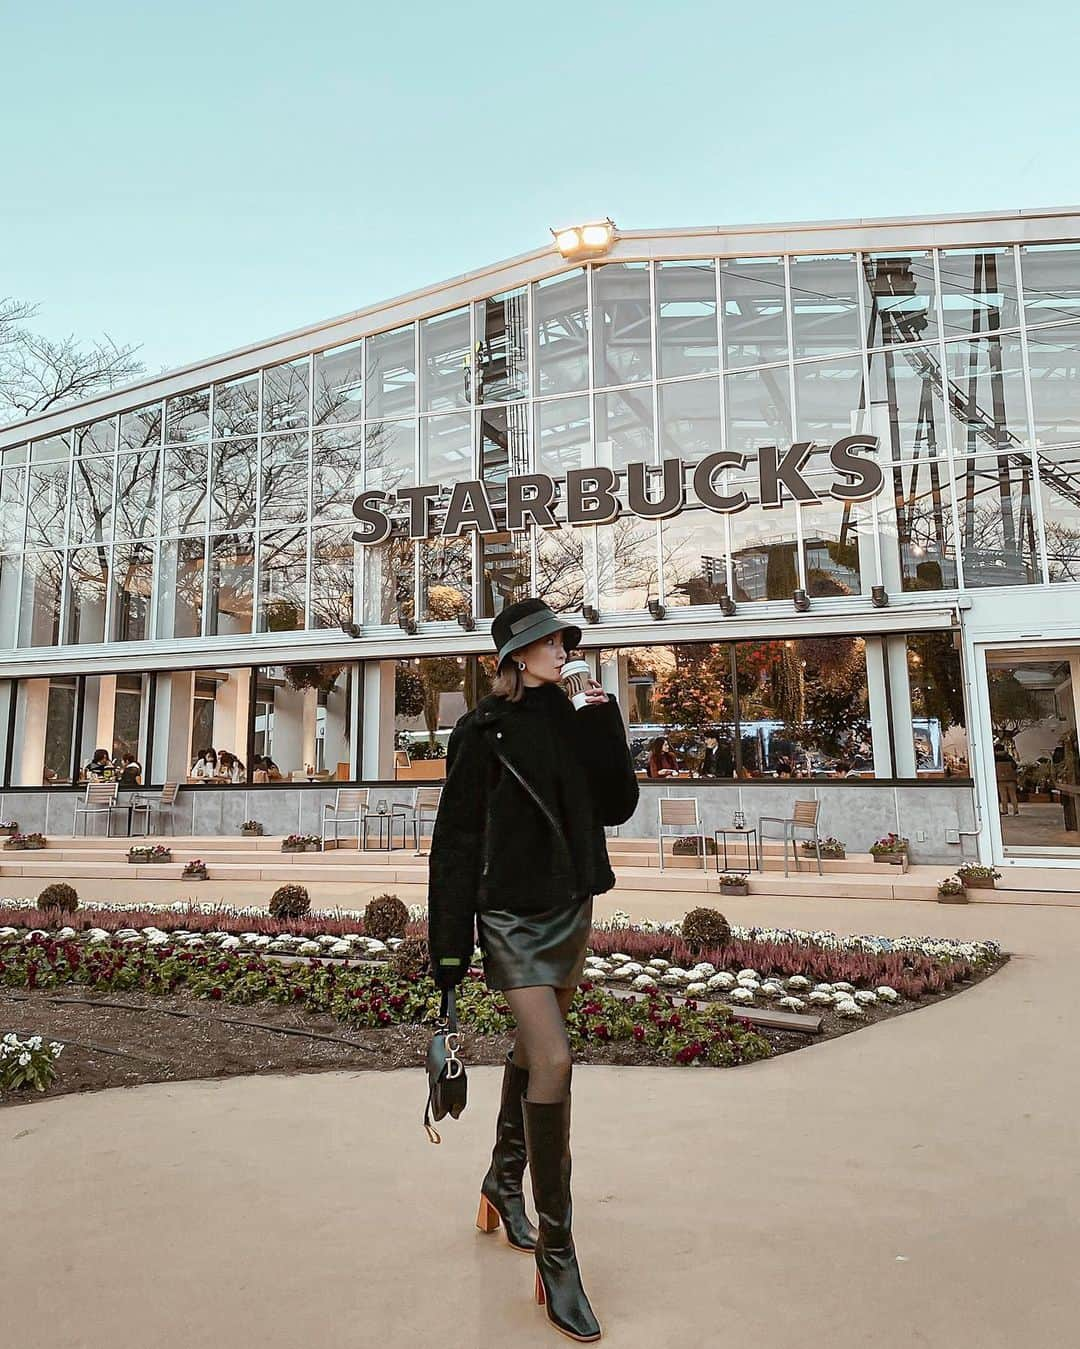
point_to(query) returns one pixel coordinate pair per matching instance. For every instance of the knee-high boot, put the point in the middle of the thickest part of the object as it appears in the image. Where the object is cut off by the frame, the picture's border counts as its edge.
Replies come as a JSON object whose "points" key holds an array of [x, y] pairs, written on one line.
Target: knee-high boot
{"points": [[558, 1279], [501, 1196]]}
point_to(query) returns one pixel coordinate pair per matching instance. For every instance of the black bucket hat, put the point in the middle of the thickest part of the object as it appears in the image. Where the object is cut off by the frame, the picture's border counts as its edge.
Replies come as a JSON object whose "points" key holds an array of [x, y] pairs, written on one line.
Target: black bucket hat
{"points": [[527, 621]]}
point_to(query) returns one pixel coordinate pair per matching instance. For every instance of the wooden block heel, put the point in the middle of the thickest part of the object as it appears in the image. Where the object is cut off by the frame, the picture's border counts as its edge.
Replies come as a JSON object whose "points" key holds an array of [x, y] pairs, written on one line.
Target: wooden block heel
{"points": [[487, 1217]]}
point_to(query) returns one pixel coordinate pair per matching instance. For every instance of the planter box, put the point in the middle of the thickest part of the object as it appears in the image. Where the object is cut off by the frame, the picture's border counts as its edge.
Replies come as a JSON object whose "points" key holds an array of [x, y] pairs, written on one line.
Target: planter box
{"points": [[148, 861], [825, 856], [309, 847], [894, 859], [23, 847], [961, 898], [735, 889], [7, 833], [979, 882], [195, 875], [13, 847], [251, 833]]}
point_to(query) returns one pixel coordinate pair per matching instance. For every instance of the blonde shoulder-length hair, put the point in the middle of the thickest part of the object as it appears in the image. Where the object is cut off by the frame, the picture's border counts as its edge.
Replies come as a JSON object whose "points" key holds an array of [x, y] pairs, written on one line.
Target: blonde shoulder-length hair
{"points": [[508, 682]]}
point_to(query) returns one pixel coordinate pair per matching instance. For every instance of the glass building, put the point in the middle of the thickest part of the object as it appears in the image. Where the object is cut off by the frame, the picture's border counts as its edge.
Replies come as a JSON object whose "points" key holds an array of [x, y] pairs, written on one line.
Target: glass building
{"points": [[183, 564]]}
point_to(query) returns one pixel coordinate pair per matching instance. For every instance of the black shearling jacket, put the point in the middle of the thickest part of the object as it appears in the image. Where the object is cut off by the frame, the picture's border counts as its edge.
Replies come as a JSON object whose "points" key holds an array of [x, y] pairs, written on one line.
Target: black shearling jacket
{"points": [[529, 788]]}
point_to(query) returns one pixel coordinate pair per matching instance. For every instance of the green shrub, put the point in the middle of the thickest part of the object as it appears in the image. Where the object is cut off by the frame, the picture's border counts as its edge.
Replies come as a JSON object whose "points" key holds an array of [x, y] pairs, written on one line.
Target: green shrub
{"points": [[60, 896], [290, 901], [705, 927], [385, 917]]}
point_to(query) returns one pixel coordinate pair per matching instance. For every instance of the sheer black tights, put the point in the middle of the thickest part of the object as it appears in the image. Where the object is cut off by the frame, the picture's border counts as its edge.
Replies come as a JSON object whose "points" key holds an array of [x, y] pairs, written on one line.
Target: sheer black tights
{"points": [[541, 1045]]}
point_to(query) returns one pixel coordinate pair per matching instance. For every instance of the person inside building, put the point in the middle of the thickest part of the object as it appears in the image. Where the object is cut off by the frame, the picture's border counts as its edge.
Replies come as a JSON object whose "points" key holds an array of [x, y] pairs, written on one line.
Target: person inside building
{"points": [[205, 767], [662, 762], [711, 765], [230, 769], [1005, 767], [128, 770], [99, 769]]}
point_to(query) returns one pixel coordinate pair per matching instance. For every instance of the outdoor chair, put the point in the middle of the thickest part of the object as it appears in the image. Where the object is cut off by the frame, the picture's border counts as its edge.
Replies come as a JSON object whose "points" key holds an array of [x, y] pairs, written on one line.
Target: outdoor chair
{"points": [[157, 806], [805, 817], [679, 812], [100, 799], [350, 805], [425, 807]]}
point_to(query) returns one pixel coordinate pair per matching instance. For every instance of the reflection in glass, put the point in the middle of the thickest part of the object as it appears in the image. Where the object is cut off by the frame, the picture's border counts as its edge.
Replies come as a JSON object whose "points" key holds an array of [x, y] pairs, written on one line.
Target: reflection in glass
{"points": [[502, 357], [337, 473], [563, 436], [12, 508], [391, 374], [282, 580], [686, 335], [57, 449], [560, 562], [181, 569], [764, 553], [236, 407], [1051, 275], [97, 438], [505, 571], [561, 319], [916, 528], [234, 475], [133, 583], [978, 290], [389, 578], [446, 577], [141, 429], [504, 447], [689, 419], [907, 412], [92, 501], [695, 556], [339, 384], [986, 394], [829, 398], [939, 723], [1059, 475], [1054, 357], [754, 311], [997, 522], [231, 582], [622, 335], [285, 396], [184, 508], [824, 305], [46, 506], [335, 562], [446, 448], [389, 455], [758, 410], [628, 567], [831, 544], [39, 612], [445, 361], [624, 428], [187, 417], [88, 589], [899, 298], [138, 490], [283, 479]]}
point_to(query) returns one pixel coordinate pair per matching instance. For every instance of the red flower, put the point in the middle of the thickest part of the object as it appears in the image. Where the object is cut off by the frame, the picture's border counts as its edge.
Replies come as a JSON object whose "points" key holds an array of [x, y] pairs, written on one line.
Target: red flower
{"points": [[298, 994], [215, 993], [639, 1033]]}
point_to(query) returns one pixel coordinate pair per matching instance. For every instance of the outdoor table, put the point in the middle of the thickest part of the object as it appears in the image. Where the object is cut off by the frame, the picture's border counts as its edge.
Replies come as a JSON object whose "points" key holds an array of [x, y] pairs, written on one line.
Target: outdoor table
{"points": [[747, 834], [390, 817]]}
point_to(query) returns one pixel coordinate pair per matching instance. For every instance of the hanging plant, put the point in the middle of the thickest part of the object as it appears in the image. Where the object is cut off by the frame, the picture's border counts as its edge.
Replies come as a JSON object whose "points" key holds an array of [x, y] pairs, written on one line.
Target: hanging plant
{"points": [[408, 692], [322, 677]]}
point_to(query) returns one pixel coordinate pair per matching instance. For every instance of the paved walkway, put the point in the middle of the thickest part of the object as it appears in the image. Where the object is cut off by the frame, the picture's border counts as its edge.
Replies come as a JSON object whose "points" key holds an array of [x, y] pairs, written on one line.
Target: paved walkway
{"points": [[914, 1184]]}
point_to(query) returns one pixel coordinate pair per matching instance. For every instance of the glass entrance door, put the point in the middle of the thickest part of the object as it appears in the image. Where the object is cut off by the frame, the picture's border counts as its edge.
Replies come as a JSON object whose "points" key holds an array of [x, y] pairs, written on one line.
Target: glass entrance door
{"points": [[1033, 713]]}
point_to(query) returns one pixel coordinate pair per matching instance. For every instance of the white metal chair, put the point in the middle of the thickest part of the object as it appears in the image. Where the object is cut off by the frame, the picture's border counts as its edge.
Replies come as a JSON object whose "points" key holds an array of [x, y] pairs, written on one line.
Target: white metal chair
{"points": [[425, 807], [100, 799], [164, 801], [804, 816], [349, 805], [677, 812]]}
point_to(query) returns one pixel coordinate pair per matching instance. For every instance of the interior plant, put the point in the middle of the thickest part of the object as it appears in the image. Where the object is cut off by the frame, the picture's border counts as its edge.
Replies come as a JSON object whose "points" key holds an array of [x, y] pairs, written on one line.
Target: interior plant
{"points": [[322, 677], [977, 876]]}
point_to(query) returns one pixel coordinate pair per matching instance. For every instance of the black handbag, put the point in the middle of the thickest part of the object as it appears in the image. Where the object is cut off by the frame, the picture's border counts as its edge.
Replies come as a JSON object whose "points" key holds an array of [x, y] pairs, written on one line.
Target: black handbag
{"points": [[447, 1083]]}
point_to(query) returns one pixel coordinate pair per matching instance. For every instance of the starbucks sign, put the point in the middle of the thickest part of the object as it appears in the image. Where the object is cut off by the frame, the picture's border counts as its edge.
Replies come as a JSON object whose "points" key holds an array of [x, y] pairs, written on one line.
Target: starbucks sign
{"points": [[589, 494]]}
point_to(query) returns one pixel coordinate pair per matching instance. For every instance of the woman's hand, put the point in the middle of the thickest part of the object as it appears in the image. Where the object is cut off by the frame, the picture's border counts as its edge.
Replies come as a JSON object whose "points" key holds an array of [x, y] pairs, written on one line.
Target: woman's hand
{"points": [[595, 693]]}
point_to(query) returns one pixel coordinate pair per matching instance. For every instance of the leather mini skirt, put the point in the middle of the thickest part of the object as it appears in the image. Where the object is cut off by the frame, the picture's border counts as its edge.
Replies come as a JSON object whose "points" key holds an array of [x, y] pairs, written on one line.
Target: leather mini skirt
{"points": [[526, 950]]}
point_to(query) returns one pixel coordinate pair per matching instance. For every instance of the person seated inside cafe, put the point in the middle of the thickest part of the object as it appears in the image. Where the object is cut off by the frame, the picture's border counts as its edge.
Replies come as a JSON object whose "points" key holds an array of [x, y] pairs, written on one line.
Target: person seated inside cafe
{"points": [[100, 766], [128, 770], [716, 761], [230, 769], [205, 767], [662, 762], [265, 769]]}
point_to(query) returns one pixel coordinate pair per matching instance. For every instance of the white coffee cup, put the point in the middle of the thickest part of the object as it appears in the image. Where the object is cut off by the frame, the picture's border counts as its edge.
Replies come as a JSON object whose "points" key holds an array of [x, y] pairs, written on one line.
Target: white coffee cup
{"points": [[576, 676]]}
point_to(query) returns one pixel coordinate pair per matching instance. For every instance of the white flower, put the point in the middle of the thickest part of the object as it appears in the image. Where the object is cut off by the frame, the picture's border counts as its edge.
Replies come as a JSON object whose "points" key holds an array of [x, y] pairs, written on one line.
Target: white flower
{"points": [[792, 1004], [24, 1059], [742, 995], [34, 1042], [56, 1048]]}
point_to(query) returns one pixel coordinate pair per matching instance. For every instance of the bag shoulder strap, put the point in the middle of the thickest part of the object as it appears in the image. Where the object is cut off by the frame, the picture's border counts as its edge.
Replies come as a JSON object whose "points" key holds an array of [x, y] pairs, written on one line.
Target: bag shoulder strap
{"points": [[447, 1013]]}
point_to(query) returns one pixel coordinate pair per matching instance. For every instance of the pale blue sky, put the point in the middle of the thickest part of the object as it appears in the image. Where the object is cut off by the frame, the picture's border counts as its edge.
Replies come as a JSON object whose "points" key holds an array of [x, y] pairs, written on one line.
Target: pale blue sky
{"points": [[193, 177]]}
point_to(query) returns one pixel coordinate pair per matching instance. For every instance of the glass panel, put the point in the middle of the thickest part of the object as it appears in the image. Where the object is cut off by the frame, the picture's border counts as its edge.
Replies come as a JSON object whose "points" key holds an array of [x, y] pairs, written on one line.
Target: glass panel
{"points": [[504, 447], [127, 727], [390, 455], [916, 529], [624, 428], [339, 384], [180, 587], [829, 398], [997, 523], [505, 571], [11, 580], [560, 561], [763, 550], [1059, 474], [831, 543], [900, 298], [54, 450], [1054, 355], [563, 430], [978, 290], [446, 448], [907, 413], [47, 494], [97, 438], [686, 336], [138, 491], [337, 473], [44, 742], [233, 483], [185, 490], [694, 551], [1036, 765], [92, 506], [39, 613], [389, 575], [561, 316], [622, 340], [12, 508], [824, 305], [391, 374], [939, 723], [301, 719], [502, 330], [1051, 275], [88, 587], [335, 563], [236, 407], [627, 563], [284, 477], [446, 588], [431, 695], [232, 566], [282, 580], [986, 394], [141, 428], [14, 455], [755, 318], [285, 396], [133, 584], [221, 706], [445, 361], [187, 417], [758, 410], [690, 420]]}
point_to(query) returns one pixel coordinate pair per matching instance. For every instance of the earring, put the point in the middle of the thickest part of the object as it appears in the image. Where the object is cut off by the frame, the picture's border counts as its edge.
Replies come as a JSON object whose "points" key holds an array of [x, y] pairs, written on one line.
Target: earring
{"points": [[521, 665]]}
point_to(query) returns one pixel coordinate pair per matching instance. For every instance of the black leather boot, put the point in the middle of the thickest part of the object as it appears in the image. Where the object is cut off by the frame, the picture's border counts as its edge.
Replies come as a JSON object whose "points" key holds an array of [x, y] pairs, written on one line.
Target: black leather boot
{"points": [[558, 1279], [501, 1197]]}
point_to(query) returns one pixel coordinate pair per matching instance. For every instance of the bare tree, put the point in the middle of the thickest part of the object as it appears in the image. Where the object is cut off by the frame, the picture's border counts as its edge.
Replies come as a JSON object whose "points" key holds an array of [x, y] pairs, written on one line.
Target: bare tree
{"points": [[38, 374]]}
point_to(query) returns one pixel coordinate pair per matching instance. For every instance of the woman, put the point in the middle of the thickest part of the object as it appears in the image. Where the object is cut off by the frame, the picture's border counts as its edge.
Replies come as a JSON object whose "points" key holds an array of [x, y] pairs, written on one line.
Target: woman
{"points": [[205, 766], [662, 763], [129, 770], [518, 846], [99, 766]]}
